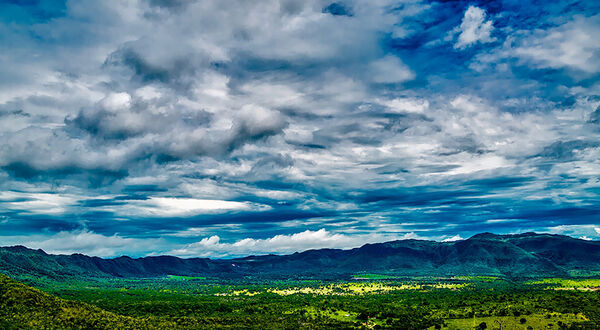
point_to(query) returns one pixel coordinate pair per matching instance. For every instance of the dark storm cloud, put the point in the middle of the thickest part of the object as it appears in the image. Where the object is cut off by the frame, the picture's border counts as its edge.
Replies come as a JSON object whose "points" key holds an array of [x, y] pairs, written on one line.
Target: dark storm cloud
{"points": [[418, 196], [132, 119], [94, 177], [566, 150], [499, 182], [595, 116], [17, 113], [178, 73], [35, 224], [177, 4], [338, 9], [185, 126], [103, 222]]}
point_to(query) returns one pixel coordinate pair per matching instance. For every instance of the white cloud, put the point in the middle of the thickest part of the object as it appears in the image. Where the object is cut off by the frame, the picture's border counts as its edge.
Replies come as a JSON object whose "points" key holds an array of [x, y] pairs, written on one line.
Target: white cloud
{"points": [[88, 243], [574, 44], [116, 102], [475, 163], [389, 69], [279, 244], [406, 104], [277, 194], [453, 239], [257, 120], [37, 203], [587, 231], [410, 235], [474, 28], [178, 207]]}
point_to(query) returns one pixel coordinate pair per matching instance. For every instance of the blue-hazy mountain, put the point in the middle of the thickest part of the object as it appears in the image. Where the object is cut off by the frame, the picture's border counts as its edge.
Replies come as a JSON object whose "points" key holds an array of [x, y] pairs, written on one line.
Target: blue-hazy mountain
{"points": [[523, 255]]}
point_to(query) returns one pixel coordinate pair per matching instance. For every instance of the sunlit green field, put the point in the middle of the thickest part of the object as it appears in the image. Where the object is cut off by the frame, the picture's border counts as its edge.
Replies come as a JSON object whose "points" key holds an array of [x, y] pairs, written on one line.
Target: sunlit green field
{"points": [[533, 321], [566, 284], [380, 302]]}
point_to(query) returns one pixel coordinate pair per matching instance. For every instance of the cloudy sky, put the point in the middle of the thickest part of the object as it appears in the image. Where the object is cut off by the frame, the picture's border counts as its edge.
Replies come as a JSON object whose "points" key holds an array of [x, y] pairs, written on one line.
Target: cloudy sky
{"points": [[226, 128]]}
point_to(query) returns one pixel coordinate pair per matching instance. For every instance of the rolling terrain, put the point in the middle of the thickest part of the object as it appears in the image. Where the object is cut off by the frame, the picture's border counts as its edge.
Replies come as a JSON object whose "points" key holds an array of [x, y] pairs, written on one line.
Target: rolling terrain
{"points": [[24, 307], [523, 255], [495, 281]]}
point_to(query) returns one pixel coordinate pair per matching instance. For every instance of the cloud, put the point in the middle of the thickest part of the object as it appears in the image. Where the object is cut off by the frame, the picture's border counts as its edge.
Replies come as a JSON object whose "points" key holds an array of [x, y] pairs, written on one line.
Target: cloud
{"points": [[89, 243], [279, 244], [275, 117], [474, 28], [571, 45], [595, 117], [569, 48], [453, 238], [389, 69], [36, 203], [589, 231], [406, 104], [338, 9], [177, 207], [255, 122]]}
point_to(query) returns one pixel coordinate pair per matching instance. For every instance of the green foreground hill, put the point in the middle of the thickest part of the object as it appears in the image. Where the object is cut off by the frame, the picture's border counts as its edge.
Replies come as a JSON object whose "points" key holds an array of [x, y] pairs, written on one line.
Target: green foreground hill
{"points": [[24, 307]]}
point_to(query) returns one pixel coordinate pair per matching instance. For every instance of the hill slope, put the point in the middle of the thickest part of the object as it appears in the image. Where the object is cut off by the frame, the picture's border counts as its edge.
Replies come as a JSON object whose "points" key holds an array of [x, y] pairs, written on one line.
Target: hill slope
{"points": [[23, 307], [521, 255]]}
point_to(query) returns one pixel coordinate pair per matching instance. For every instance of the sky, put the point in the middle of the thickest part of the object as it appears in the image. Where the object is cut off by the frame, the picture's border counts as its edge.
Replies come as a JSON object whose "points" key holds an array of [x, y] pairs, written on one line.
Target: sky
{"points": [[230, 128]]}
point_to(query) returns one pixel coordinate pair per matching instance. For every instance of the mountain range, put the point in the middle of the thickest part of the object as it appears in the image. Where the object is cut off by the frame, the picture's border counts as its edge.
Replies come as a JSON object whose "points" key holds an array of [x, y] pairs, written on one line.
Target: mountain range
{"points": [[521, 255]]}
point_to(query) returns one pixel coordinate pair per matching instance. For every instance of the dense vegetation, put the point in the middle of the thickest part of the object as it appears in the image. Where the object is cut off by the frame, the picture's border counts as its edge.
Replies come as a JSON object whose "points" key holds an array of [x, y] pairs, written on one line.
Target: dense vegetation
{"points": [[22, 307], [526, 281], [523, 255], [207, 303]]}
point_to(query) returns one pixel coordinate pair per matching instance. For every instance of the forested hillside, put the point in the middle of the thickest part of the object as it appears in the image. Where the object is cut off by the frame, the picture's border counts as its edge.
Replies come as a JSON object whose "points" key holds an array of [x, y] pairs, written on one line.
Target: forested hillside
{"points": [[524, 255]]}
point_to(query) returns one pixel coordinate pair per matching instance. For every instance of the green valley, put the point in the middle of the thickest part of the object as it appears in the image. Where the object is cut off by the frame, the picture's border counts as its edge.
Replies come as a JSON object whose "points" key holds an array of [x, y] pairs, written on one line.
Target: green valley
{"points": [[194, 303], [526, 281]]}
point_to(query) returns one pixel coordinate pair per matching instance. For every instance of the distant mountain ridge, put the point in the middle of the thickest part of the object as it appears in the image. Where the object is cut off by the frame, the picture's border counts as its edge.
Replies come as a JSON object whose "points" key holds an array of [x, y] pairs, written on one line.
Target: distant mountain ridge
{"points": [[521, 255]]}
